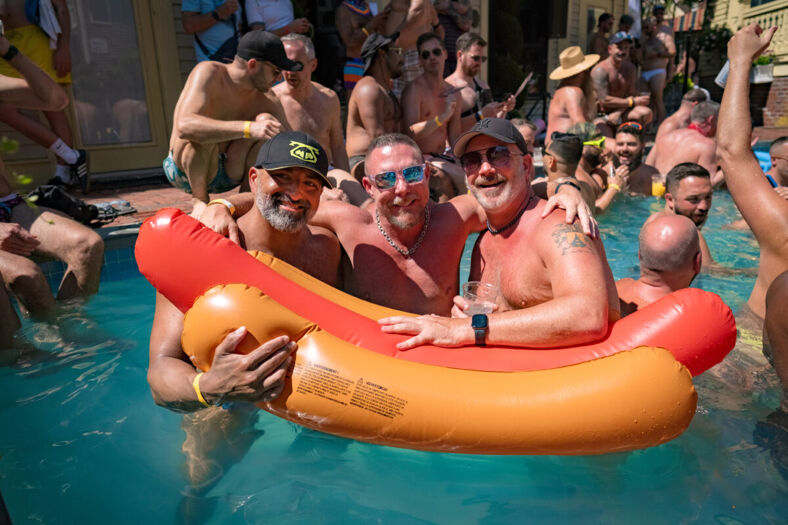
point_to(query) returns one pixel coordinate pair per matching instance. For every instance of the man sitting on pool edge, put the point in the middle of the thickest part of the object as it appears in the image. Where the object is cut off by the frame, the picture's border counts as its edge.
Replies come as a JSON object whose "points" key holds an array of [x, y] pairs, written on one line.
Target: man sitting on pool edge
{"points": [[555, 286]]}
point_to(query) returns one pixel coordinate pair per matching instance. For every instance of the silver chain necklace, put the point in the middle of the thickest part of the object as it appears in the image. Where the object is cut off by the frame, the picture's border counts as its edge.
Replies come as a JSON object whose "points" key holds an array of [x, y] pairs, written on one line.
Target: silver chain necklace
{"points": [[406, 253], [510, 223]]}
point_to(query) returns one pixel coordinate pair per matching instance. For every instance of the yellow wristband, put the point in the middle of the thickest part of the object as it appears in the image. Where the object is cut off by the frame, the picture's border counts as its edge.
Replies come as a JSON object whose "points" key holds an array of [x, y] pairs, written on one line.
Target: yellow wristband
{"points": [[248, 129], [226, 203], [438, 121], [614, 186], [630, 101], [196, 385], [364, 30]]}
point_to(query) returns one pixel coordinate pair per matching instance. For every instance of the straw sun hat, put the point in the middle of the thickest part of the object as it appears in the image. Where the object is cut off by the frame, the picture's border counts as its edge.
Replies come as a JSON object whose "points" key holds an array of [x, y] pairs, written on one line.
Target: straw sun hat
{"points": [[572, 61]]}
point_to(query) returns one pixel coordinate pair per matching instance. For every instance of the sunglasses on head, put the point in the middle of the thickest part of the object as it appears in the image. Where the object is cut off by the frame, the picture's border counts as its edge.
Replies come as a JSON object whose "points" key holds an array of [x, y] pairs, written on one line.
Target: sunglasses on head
{"points": [[387, 179], [397, 50], [436, 52], [630, 126], [478, 58], [599, 143], [498, 156]]}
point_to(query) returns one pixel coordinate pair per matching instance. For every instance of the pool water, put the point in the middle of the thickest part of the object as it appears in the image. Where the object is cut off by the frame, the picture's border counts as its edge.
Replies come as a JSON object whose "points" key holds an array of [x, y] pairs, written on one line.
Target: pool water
{"points": [[81, 440]]}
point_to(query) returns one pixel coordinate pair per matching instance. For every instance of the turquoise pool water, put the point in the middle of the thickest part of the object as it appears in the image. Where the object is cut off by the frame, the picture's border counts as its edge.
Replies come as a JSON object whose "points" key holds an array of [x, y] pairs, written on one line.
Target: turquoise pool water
{"points": [[81, 441]]}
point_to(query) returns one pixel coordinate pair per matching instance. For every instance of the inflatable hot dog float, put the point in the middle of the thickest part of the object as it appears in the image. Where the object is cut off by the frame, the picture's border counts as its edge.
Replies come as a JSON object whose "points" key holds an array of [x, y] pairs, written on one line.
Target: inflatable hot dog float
{"points": [[621, 393]]}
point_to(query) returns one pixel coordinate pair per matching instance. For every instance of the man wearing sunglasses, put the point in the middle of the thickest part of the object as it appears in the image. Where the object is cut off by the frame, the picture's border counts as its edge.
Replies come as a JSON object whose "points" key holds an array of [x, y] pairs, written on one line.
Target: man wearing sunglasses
{"points": [[223, 115], [555, 287], [431, 112], [373, 109], [410, 18], [694, 143], [403, 250], [477, 100]]}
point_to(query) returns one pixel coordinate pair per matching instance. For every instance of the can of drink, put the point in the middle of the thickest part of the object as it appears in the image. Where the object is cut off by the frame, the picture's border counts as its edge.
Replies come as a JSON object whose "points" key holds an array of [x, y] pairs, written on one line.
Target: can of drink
{"points": [[722, 77]]}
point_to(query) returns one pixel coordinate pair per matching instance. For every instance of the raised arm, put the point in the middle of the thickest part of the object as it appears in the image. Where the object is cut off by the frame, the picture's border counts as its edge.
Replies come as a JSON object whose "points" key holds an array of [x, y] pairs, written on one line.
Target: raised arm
{"points": [[763, 209]]}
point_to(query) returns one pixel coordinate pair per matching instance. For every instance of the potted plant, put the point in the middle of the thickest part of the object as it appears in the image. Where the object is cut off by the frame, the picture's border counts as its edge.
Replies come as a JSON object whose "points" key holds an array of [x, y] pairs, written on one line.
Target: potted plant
{"points": [[762, 70]]}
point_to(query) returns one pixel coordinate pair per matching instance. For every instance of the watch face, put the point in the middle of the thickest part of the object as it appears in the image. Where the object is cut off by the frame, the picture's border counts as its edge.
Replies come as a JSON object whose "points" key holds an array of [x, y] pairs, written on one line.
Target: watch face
{"points": [[479, 321]]}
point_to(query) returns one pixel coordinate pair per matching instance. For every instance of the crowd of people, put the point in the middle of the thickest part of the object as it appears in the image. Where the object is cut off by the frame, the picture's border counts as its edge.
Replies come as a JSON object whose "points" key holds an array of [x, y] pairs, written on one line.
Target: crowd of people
{"points": [[392, 196]]}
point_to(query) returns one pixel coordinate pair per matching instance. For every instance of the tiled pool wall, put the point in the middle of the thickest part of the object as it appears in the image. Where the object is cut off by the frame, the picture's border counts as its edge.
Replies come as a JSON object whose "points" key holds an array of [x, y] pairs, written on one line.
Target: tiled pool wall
{"points": [[119, 263]]}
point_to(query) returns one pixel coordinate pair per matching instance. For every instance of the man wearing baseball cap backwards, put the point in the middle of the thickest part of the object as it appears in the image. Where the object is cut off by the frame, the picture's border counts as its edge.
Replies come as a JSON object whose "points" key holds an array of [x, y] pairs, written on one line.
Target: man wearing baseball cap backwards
{"points": [[615, 81], [554, 284], [224, 113], [286, 181], [574, 100]]}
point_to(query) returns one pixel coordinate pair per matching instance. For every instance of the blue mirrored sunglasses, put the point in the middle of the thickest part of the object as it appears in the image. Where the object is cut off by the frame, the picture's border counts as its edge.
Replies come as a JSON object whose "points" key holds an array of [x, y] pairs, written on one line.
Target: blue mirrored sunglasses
{"points": [[387, 179]]}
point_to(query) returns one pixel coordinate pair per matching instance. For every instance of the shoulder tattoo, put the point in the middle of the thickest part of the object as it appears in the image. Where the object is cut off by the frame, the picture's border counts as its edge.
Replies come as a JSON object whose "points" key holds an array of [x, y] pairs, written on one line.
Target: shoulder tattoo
{"points": [[570, 237]]}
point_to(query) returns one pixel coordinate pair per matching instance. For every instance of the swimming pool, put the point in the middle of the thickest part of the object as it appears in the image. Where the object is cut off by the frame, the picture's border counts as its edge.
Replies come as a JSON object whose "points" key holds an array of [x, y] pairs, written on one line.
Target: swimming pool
{"points": [[82, 441]]}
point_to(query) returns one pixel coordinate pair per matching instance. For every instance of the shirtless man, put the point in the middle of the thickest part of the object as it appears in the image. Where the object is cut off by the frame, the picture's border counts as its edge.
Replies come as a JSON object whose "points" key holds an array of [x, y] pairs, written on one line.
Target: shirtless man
{"points": [[667, 36], [694, 143], [678, 120], [656, 56], [355, 22], [410, 18], [574, 101], [223, 114], [629, 153], [475, 95], [286, 192], [395, 239], [763, 209], [616, 86], [432, 115], [309, 106], [778, 151], [373, 109], [598, 43], [561, 157], [670, 258], [688, 192], [555, 286]]}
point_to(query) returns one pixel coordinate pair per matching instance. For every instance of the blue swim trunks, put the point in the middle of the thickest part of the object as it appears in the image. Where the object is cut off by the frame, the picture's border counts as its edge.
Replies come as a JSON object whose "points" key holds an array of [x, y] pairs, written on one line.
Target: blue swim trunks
{"points": [[220, 183]]}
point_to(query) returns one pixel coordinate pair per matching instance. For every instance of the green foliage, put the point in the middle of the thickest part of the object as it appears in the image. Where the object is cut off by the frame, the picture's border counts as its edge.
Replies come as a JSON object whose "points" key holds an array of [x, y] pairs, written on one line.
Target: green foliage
{"points": [[713, 40], [8, 146], [763, 60], [678, 80]]}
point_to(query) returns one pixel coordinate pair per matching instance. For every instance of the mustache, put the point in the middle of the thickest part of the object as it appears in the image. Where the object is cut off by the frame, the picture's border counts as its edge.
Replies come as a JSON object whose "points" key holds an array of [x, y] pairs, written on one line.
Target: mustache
{"points": [[281, 198]]}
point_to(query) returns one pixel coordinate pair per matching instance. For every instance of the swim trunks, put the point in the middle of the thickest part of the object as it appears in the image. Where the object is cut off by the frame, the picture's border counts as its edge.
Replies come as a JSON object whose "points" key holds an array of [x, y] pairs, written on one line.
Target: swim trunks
{"points": [[220, 183], [7, 204], [648, 75], [34, 44], [354, 70]]}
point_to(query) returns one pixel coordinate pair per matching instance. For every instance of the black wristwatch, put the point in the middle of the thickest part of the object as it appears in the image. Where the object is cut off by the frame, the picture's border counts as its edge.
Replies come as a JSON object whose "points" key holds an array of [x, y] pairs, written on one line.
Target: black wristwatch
{"points": [[479, 325], [11, 53], [216, 16]]}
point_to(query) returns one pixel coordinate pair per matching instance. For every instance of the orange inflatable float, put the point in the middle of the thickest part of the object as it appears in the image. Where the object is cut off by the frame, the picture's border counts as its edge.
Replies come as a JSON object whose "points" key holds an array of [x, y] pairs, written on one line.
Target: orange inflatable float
{"points": [[618, 394]]}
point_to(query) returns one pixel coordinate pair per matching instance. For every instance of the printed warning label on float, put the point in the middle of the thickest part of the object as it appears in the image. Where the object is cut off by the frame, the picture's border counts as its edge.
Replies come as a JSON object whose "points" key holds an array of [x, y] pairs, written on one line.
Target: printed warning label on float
{"points": [[324, 382], [376, 398]]}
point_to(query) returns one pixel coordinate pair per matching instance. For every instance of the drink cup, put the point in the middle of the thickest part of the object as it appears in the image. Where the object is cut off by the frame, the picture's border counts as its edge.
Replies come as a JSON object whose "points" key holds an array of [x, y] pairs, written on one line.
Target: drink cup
{"points": [[657, 185], [481, 297]]}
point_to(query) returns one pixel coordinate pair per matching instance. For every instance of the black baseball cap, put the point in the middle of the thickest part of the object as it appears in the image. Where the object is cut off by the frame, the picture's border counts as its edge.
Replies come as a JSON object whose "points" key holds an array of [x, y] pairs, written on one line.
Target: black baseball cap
{"points": [[371, 45], [294, 149], [262, 45], [497, 128]]}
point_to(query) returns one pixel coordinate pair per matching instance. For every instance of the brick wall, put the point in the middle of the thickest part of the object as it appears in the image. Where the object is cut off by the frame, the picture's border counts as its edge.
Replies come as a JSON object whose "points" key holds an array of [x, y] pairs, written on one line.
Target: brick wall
{"points": [[775, 114]]}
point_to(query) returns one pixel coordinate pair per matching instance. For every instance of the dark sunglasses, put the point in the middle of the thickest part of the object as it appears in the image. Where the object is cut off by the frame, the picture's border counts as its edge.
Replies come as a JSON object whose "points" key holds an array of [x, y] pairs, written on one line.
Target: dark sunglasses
{"points": [[498, 156], [478, 58], [436, 52], [387, 179]]}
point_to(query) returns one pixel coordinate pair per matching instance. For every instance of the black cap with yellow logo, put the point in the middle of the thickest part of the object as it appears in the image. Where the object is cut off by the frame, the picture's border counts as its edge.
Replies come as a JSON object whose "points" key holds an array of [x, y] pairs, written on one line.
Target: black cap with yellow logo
{"points": [[294, 149]]}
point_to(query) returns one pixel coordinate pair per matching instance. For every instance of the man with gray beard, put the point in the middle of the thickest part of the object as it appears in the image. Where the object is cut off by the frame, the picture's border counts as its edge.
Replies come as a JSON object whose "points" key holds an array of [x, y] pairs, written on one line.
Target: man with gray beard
{"points": [[286, 181]]}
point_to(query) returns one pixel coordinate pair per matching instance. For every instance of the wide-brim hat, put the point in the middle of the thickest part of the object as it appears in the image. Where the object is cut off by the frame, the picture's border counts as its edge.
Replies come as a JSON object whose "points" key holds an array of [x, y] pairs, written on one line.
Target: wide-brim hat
{"points": [[294, 149], [371, 45], [573, 61]]}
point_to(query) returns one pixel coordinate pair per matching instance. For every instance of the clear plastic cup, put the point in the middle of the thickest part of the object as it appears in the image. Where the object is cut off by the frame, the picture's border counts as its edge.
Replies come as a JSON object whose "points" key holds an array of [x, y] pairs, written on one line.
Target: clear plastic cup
{"points": [[481, 297]]}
